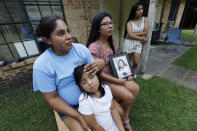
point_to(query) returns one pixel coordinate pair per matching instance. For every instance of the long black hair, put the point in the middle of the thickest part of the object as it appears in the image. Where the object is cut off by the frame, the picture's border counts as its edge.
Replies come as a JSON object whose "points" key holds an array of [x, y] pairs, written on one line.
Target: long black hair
{"points": [[44, 29], [94, 32], [78, 72], [132, 15]]}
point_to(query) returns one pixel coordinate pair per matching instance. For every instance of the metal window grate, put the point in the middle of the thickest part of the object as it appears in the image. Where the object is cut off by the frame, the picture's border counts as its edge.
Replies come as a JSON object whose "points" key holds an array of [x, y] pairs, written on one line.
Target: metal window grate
{"points": [[18, 21]]}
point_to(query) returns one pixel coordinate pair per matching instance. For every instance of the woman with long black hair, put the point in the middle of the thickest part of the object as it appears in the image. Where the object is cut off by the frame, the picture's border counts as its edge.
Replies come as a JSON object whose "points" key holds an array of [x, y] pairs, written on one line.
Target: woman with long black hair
{"points": [[136, 29], [101, 45]]}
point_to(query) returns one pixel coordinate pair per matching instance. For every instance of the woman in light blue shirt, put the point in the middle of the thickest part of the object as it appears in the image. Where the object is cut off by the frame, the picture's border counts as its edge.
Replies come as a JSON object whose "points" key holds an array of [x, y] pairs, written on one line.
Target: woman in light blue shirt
{"points": [[53, 70]]}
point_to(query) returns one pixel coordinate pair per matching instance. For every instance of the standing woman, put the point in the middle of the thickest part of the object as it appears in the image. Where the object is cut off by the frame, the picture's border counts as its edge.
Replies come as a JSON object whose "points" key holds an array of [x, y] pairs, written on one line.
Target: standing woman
{"points": [[136, 29], [101, 45], [53, 70]]}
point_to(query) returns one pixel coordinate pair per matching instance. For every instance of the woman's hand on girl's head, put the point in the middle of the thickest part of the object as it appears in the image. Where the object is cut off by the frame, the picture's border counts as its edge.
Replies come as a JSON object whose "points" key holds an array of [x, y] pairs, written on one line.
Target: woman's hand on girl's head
{"points": [[95, 66]]}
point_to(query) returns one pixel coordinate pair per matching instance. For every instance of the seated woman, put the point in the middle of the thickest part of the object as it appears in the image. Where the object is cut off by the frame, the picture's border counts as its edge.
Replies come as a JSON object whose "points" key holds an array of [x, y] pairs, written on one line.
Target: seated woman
{"points": [[53, 70], [101, 46]]}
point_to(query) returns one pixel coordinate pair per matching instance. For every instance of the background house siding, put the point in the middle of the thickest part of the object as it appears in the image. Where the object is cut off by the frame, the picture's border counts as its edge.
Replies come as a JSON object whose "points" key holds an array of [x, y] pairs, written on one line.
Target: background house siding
{"points": [[79, 15]]}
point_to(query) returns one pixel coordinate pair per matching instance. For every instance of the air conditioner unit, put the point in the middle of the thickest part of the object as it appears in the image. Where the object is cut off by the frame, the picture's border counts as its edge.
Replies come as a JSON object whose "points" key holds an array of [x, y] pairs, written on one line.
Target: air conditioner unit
{"points": [[156, 26], [170, 24]]}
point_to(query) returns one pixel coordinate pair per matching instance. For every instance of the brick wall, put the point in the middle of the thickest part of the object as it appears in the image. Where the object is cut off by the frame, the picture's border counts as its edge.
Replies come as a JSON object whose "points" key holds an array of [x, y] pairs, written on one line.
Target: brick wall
{"points": [[16, 75], [79, 15]]}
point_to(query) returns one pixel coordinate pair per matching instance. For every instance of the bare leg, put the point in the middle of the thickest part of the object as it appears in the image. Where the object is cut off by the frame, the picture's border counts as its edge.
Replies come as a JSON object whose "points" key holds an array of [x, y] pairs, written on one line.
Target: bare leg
{"points": [[133, 88], [136, 57], [73, 124], [130, 55], [126, 97]]}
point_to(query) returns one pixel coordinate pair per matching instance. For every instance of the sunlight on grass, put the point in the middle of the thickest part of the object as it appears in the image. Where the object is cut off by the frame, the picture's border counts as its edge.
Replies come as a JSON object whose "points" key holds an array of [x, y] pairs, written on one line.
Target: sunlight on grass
{"points": [[187, 33], [164, 106], [188, 59]]}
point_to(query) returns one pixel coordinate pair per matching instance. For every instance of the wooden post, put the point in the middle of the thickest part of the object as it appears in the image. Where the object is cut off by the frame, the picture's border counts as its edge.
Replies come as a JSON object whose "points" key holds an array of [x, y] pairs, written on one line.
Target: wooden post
{"points": [[194, 34], [145, 51], [60, 124]]}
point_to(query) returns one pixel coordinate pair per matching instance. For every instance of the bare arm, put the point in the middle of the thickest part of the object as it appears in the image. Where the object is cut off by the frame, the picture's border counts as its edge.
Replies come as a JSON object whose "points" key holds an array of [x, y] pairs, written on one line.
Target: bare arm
{"points": [[145, 31], [95, 66], [91, 121], [116, 117], [109, 78], [112, 79], [139, 35], [58, 104]]}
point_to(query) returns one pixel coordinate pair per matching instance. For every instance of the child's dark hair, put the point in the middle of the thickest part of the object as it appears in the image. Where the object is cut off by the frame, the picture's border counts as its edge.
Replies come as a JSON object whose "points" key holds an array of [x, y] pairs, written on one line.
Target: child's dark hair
{"points": [[45, 28], [78, 72], [94, 32]]}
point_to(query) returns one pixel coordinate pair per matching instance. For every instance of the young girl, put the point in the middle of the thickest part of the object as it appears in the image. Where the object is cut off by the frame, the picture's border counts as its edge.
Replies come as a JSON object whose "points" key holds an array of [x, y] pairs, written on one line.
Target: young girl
{"points": [[101, 45], [53, 70], [136, 29], [96, 103]]}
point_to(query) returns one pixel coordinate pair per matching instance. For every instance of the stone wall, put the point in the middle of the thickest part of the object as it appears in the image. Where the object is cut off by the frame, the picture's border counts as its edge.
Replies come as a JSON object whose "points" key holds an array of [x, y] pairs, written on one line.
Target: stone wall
{"points": [[16, 75]]}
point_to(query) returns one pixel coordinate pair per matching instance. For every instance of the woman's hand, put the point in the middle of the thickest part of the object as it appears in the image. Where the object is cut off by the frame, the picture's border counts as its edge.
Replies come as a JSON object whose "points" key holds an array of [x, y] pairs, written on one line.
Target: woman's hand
{"points": [[83, 124], [95, 66], [144, 40]]}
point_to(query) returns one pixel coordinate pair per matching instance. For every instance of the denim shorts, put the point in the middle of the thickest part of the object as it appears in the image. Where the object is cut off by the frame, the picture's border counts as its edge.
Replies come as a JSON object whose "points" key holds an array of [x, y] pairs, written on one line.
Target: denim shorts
{"points": [[63, 116]]}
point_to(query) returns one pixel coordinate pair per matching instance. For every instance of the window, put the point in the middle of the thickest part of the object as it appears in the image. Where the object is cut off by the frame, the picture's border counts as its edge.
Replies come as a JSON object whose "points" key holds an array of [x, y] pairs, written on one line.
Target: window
{"points": [[18, 21]]}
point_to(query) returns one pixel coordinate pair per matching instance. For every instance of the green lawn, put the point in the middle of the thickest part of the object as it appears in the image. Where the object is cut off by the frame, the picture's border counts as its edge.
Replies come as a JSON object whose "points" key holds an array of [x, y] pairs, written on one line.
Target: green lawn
{"points": [[188, 59], [24, 110], [164, 106], [160, 106], [187, 33]]}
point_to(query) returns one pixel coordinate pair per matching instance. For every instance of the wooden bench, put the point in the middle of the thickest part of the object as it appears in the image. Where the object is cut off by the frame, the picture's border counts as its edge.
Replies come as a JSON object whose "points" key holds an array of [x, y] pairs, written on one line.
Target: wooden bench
{"points": [[60, 124]]}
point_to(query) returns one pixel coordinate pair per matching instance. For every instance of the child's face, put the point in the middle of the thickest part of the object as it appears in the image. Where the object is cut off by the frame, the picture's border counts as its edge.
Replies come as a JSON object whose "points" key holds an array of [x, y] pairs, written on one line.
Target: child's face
{"points": [[89, 83]]}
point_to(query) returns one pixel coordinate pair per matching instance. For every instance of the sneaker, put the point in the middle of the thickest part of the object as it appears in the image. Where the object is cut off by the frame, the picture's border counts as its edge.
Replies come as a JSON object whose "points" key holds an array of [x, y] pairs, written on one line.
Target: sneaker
{"points": [[134, 75]]}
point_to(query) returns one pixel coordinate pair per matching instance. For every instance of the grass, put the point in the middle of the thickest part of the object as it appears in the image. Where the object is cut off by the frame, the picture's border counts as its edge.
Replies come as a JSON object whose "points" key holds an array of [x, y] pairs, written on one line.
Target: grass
{"points": [[160, 106], [24, 110], [164, 106], [188, 59], [187, 33]]}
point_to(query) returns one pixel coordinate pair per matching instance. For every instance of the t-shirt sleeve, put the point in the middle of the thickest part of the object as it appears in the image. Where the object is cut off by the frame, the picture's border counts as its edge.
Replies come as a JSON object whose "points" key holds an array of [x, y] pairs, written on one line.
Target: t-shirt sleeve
{"points": [[43, 81], [94, 49], [84, 106], [87, 56]]}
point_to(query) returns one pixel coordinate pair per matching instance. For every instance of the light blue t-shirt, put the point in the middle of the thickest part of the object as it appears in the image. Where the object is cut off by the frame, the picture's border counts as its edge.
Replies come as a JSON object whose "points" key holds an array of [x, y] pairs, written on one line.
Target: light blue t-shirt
{"points": [[52, 72]]}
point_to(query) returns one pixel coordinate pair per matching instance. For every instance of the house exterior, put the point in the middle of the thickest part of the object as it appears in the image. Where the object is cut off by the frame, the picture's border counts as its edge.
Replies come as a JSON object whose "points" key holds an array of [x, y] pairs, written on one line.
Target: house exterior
{"points": [[19, 48]]}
